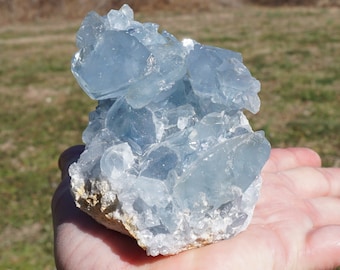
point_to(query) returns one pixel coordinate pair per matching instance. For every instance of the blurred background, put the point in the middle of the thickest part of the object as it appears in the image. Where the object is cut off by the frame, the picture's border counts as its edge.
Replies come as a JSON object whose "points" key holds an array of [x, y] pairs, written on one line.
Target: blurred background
{"points": [[32, 10], [292, 47]]}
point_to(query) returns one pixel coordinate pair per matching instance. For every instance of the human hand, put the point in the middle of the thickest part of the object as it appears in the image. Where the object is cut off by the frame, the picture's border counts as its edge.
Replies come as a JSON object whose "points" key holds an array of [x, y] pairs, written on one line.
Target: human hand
{"points": [[296, 225]]}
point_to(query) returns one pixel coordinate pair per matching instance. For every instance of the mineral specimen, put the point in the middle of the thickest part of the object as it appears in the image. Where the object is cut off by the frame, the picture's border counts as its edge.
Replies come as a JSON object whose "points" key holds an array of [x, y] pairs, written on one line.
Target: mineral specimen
{"points": [[170, 158]]}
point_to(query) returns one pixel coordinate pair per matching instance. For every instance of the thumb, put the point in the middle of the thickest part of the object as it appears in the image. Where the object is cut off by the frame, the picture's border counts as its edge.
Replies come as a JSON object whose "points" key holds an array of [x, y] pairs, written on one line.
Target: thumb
{"points": [[69, 156]]}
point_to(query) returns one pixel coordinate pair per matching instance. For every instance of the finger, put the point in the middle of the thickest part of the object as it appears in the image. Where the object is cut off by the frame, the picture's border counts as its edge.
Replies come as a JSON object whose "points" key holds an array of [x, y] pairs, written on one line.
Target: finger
{"points": [[63, 206], [62, 201], [323, 248], [324, 211], [69, 156], [308, 182], [288, 158]]}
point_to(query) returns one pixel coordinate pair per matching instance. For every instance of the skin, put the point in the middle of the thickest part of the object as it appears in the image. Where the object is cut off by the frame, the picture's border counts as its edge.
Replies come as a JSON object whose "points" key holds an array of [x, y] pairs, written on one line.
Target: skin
{"points": [[296, 225]]}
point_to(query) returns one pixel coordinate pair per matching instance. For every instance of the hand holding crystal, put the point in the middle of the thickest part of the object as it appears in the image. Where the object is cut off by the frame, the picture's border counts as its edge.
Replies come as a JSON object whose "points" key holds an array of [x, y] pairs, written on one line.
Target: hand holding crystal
{"points": [[296, 225]]}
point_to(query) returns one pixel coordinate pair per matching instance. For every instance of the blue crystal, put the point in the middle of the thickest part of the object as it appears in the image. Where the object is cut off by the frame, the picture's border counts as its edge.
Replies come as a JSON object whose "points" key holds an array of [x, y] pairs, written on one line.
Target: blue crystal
{"points": [[159, 162], [140, 132], [168, 146]]}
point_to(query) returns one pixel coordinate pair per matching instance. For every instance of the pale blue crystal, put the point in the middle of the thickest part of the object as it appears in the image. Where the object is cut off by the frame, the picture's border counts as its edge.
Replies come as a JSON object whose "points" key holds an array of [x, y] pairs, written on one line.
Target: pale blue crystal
{"points": [[168, 140]]}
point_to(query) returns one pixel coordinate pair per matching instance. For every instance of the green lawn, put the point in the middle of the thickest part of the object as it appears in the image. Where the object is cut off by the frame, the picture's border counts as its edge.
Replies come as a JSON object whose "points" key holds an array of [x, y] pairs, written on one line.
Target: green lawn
{"points": [[294, 52]]}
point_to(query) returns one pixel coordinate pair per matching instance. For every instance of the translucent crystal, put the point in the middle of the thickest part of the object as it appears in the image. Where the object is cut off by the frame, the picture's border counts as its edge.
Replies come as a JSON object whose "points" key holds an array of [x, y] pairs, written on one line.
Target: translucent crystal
{"points": [[170, 157]]}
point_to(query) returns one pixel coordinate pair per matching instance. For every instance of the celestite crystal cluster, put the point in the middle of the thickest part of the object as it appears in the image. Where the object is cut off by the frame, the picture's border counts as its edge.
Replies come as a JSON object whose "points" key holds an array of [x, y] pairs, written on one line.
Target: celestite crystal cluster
{"points": [[170, 158]]}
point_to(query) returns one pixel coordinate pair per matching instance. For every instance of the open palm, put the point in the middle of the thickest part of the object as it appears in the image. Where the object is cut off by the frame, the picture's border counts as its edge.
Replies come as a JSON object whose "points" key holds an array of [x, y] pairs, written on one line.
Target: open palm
{"points": [[296, 225]]}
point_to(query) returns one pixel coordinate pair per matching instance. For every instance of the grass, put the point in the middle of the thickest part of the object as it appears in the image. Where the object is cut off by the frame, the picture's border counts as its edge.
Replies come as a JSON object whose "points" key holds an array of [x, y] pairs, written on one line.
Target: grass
{"points": [[294, 52]]}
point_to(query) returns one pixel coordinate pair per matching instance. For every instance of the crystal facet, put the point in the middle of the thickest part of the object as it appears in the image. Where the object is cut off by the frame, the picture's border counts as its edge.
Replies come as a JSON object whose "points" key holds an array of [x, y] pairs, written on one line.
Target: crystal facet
{"points": [[170, 158]]}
